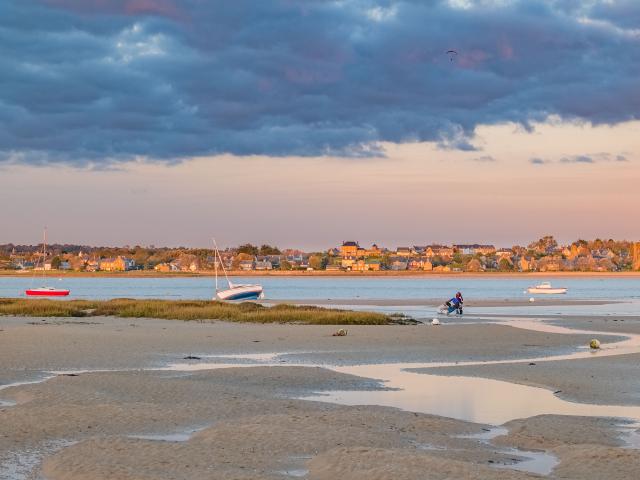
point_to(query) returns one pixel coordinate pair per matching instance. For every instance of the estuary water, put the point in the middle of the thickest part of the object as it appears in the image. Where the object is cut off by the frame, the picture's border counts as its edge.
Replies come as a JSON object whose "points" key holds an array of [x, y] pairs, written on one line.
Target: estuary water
{"points": [[331, 288]]}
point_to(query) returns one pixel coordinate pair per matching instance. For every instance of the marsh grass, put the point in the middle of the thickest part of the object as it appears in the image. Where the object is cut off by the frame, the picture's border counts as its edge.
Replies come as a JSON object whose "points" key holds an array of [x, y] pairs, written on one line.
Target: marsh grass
{"points": [[190, 310]]}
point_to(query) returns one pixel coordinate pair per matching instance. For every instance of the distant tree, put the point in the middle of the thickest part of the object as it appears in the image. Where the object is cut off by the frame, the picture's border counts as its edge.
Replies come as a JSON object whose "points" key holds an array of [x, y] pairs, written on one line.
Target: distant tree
{"points": [[315, 262], [241, 257], [285, 265], [385, 261], [269, 250], [473, 265], [544, 244], [56, 262], [505, 265], [248, 248]]}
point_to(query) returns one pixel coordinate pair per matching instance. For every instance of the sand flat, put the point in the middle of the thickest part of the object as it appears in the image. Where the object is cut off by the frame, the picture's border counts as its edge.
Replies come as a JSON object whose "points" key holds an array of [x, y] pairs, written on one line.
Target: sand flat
{"points": [[249, 423]]}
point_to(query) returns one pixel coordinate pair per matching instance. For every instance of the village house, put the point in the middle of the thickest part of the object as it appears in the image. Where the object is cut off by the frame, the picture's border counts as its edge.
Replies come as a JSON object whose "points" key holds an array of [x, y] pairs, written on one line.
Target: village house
{"points": [[298, 261], [349, 249], [347, 263], [246, 265], [475, 248], [374, 251], [92, 266], [438, 251], [167, 267], [398, 263], [334, 268], [263, 264], [358, 266], [404, 251], [603, 253], [420, 263], [373, 264], [366, 265], [442, 269], [550, 264], [526, 264], [267, 262], [117, 264], [23, 265]]}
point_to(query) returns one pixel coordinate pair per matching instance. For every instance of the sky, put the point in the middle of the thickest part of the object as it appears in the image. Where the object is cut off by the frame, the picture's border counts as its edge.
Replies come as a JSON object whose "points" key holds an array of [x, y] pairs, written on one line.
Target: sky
{"points": [[306, 123]]}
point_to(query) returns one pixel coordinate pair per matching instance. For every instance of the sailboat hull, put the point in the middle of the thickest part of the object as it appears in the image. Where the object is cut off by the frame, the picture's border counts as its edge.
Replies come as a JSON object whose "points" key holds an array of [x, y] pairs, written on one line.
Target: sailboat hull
{"points": [[241, 293], [47, 292]]}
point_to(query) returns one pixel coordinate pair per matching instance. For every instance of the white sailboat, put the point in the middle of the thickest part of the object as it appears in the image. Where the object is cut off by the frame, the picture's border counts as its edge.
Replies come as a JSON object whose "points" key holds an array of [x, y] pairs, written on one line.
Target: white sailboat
{"points": [[46, 291], [234, 292]]}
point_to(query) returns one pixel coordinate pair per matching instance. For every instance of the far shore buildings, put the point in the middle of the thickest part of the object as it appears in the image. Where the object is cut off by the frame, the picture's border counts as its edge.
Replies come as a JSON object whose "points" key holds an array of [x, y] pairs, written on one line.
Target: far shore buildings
{"points": [[544, 255]]}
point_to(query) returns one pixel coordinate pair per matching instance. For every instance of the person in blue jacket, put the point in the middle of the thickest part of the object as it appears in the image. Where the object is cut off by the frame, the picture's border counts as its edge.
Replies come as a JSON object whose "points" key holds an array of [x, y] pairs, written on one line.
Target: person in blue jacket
{"points": [[455, 304]]}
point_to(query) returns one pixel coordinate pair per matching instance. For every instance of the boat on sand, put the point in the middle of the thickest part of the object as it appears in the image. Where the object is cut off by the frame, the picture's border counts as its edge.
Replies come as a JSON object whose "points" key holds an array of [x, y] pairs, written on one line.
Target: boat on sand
{"points": [[234, 292]]}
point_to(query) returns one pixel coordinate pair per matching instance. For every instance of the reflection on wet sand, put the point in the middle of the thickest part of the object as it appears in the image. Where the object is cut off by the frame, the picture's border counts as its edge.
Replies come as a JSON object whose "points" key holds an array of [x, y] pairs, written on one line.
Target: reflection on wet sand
{"points": [[472, 399]]}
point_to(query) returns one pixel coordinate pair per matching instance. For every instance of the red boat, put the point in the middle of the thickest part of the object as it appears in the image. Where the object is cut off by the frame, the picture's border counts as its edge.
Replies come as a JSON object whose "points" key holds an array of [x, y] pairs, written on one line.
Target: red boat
{"points": [[47, 292]]}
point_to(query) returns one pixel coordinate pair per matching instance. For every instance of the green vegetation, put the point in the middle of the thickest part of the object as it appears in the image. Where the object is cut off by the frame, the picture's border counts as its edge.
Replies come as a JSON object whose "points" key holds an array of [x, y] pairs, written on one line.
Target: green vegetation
{"points": [[193, 310]]}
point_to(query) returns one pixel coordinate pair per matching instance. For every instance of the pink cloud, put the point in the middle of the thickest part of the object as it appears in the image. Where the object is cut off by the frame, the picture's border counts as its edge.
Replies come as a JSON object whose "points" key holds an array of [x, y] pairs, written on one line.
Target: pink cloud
{"points": [[505, 49], [472, 58], [164, 8]]}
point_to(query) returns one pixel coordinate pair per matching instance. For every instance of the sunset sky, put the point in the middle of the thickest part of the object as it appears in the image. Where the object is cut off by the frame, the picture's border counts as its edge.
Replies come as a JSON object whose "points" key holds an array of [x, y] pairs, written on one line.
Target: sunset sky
{"points": [[305, 123]]}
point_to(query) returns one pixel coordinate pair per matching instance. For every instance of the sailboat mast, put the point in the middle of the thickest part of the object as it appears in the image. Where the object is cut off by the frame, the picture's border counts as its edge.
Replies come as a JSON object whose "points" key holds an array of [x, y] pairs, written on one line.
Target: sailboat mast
{"points": [[44, 252], [215, 263], [224, 270]]}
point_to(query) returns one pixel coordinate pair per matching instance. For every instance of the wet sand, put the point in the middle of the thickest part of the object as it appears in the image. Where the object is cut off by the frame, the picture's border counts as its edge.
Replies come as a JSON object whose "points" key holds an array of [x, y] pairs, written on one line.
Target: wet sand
{"points": [[249, 423]]}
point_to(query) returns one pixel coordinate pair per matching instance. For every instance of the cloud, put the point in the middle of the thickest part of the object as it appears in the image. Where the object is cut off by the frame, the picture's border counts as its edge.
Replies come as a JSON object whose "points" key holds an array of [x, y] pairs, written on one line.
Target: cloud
{"points": [[484, 159], [104, 81], [582, 159], [577, 159], [537, 161]]}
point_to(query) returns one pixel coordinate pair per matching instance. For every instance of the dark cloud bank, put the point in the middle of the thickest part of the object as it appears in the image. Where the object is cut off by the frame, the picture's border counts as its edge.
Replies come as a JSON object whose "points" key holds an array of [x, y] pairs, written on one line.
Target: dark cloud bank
{"points": [[97, 81]]}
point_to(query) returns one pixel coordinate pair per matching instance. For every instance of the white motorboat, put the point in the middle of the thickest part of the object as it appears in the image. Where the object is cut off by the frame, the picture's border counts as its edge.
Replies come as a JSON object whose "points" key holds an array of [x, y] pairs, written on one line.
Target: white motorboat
{"points": [[234, 292], [546, 288]]}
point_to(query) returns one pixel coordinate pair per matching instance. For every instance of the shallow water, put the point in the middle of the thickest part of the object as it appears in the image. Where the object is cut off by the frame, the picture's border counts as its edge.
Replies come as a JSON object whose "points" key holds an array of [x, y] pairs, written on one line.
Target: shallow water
{"points": [[541, 463], [631, 435], [323, 288], [473, 399], [183, 435], [25, 464]]}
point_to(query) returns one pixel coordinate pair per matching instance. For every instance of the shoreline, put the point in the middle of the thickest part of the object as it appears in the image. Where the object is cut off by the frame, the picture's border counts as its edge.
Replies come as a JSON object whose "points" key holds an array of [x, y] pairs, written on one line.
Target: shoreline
{"points": [[324, 273]]}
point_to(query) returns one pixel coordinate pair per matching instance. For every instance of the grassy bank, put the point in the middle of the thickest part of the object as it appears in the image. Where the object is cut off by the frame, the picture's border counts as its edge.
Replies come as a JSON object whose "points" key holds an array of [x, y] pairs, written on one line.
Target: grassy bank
{"points": [[192, 310]]}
